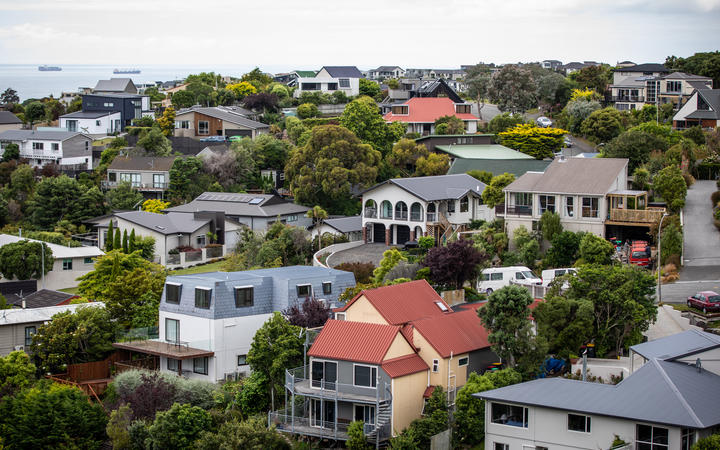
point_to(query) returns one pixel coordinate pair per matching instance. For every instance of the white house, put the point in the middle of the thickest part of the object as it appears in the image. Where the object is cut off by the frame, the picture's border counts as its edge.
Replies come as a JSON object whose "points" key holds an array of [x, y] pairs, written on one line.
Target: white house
{"points": [[702, 108], [350, 227], [70, 263], [331, 79], [383, 72], [70, 150], [208, 321], [92, 122], [403, 209]]}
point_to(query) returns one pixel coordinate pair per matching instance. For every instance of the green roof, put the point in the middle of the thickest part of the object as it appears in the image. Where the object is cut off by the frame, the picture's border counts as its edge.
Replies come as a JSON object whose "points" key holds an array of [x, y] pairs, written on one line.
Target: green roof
{"points": [[487, 151], [517, 167], [452, 135], [306, 73]]}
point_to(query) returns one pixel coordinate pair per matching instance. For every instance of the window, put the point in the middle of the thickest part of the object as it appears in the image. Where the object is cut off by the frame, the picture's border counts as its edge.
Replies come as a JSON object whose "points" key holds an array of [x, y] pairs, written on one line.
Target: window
{"points": [[67, 264], [365, 413], [200, 365], [184, 124], [401, 110], [570, 206], [200, 240], [344, 82], [172, 293], [173, 365], [109, 105], [244, 296], [500, 446], [590, 207], [324, 374], [327, 288], [547, 203], [304, 290], [339, 316], [133, 178], [29, 332], [71, 125], [365, 376], [202, 298], [38, 145], [172, 330], [451, 206], [203, 127], [651, 438], [579, 423], [386, 210], [97, 123], [674, 86], [512, 415], [463, 109], [401, 211], [159, 180], [55, 146], [242, 360], [88, 261], [464, 204], [436, 365], [463, 362], [292, 218], [332, 86], [688, 438]]}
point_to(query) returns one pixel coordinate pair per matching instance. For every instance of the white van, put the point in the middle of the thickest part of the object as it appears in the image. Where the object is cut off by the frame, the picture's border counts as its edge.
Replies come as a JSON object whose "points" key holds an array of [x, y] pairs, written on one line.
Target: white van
{"points": [[550, 274], [498, 277]]}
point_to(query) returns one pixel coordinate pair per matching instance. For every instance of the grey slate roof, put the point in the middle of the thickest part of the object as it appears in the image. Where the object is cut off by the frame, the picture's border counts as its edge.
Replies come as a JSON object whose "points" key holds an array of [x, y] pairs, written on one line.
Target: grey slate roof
{"points": [[593, 176], [711, 97], [41, 298], [661, 392], [22, 135], [227, 115], [233, 204], [6, 117], [647, 67], [677, 345], [114, 95], [345, 224], [112, 85], [683, 76], [150, 163], [164, 223], [343, 71], [441, 187], [87, 114], [386, 68], [517, 167]]}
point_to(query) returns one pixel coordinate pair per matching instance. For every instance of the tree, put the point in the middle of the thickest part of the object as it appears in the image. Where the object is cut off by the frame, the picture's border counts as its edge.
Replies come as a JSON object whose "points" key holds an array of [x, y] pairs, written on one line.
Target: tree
{"points": [[706, 64], [362, 117], [370, 89], [404, 155], [242, 89], [262, 101], [23, 260], [454, 264], [506, 316], [550, 225], [183, 99], [449, 125], [307, 110], [9, 96], [532, 140], [12, 151], [154, 205], [117, 428], [85, 335], [563, 250], [34, 112], [504, 121], [276, 346], [166, 122], [125, 241], [513, 89], [528, 248], [478, 79], [251, 434], [312, 313], [22, 183], [566, 323], [110, 239], [356, 436], [331, 163], [16, 372], [595, 250], [258, 79], [55, 199], [317, 214], [670, 185], [123, 197], [155, 143], [51, 415], [553, 89], [390, 259], [91, 203], [184, 175], [635, 145], [178, 427], [432, 164], [493, 194], [671, 242], [602, 125], [593, 77], [576, 111], [117, 243]]}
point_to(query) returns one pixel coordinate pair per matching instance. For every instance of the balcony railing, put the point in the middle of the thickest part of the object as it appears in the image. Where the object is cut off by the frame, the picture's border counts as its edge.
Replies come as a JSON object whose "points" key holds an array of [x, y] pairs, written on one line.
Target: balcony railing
{"points": [[141, 186], [519, 210], [416, 216], [296, 381], [627, 98], [650, 215], [370, 213], [401, 215], [500, 209], [284, 421]]}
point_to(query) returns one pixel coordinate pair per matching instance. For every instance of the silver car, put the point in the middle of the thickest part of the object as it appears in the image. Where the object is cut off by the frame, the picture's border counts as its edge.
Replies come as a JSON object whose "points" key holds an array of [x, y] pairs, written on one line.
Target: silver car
{"points": [[543, 122]]}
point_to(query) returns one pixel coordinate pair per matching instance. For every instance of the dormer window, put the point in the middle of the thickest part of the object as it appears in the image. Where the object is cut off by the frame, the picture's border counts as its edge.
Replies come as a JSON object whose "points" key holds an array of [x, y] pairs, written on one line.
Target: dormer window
{"points": [[401, 110], [202, 297], [244, 296], [172, 292], [463, 108]]}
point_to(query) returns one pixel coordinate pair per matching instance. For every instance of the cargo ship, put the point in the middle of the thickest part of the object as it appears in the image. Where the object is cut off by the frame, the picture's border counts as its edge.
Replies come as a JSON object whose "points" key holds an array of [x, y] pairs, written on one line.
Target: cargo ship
{"points": [[126, 71], [46, 68]]}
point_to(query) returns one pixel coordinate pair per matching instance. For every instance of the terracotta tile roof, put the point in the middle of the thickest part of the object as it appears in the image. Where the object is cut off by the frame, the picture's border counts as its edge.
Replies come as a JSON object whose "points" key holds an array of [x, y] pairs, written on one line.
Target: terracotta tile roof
{"points": [[459, 332], [427, 110], [429, 391], [404, 365], [354, 341], [403, 303]]}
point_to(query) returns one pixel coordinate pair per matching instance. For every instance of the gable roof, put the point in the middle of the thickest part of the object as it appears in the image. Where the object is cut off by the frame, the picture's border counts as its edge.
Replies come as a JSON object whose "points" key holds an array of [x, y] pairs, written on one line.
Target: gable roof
{"points": [[646, 67], [403, 303], [404, 365], [387, 68], [21, 135], [233, 204], [684, 76], [41, 298], [32, 315], [439, 187], [712, 98], [354, 341], [593, 176], [165, 224], [456, 333], [345, 224], [58, 251], [486, 151], [431, 89], [6, 117], [228, 115], [517, 167], [113, 85], [677, 345], [428, 110], [150, 163], [343, 71]]}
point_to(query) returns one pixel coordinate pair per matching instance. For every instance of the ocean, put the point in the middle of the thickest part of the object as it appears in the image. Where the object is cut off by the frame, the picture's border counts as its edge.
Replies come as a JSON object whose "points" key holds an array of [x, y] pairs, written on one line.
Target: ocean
{"points": [[29, 82]]}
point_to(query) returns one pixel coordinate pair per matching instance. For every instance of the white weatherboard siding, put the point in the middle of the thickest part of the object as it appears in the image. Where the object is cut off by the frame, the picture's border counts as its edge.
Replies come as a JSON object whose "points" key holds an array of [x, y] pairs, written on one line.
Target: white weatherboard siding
{"points": [[101, 125]]}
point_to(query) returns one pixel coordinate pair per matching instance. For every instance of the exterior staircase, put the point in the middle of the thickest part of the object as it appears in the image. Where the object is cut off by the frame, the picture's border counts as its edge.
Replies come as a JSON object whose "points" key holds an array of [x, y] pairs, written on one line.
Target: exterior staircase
{"points": [[382, 425]]}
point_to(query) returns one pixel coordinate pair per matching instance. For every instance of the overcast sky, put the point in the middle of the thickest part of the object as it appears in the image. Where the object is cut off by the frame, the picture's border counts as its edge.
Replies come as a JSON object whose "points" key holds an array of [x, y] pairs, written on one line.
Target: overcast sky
{"points": [[368, 33]]}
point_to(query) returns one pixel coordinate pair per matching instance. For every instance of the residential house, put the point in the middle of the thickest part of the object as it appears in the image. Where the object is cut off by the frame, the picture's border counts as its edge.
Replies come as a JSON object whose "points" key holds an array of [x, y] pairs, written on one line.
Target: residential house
{"points": [[432, 140], [589, 194], [669, 402], [208, 320], [256, 211], [9, 121], [551, 64], [350, 227], [702, 108], [409, 88], [115, 86], [181, 239], [384, 72], [403, 209], [634, 86], [213, 150], [150, 175], [686, 347], [291, 78], [678, 87], [420, 113], [494, 158], [624, 64], [169, 88], [17, 326], [72, 151], [198, 122], [575, 66], [92, 122], [70, 263], [130, 106], [40, 299], [331, 79]]}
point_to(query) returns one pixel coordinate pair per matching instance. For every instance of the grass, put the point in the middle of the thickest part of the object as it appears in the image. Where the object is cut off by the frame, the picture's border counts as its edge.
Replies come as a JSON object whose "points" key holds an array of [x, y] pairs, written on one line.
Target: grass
{"points": [[73, 290], [101, 142], [211, 267], [680, 307]]}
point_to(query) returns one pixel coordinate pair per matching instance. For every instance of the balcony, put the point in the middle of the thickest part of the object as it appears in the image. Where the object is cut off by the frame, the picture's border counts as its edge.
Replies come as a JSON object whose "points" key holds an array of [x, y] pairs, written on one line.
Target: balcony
{"points": [[519, 210], [416, 216], [370, 213], [296, 381], [432, 217], [285, 421], [627, 98], [177, 260], [639, 216], [139, 186]]}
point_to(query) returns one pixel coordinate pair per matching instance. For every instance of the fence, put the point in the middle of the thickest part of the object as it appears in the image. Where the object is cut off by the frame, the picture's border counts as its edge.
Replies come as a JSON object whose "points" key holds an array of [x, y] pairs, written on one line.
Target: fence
{"points": [[193, 256], [213, 252]]}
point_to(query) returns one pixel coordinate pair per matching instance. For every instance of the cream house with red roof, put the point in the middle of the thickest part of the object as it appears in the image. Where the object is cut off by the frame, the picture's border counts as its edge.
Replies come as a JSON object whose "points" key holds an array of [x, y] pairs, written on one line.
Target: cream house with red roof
{"points": [[420, 114]]}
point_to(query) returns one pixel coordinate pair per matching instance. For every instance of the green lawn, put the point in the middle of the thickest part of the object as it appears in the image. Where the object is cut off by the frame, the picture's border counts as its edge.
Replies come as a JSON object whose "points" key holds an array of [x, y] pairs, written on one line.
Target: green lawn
{"points": [[212, 267], [73, 290]]}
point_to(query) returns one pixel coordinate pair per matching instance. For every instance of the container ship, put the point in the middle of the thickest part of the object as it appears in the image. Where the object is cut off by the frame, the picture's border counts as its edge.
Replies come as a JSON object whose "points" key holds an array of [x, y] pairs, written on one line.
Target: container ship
{"points": [[46, 68], [126, 71]]}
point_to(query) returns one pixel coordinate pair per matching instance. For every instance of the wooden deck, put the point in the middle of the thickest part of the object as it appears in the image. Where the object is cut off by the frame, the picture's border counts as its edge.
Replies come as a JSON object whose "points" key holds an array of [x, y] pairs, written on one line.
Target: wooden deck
{"points": [[159, 348]]}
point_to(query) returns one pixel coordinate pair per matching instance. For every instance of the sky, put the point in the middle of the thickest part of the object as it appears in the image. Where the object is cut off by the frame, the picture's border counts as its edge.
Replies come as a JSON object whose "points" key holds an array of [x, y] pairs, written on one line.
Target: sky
{"points": [[312, 33]]}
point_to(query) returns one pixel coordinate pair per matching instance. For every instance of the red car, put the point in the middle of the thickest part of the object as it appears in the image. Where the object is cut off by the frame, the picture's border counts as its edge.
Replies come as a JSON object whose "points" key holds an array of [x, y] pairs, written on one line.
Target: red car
{"points": [[705, 300]]}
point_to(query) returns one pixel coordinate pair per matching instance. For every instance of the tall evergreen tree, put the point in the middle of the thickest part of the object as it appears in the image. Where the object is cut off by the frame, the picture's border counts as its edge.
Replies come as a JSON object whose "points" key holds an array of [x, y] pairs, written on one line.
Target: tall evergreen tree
{"points": [[117, 243], [125, 242], [109, 239], [131, 243]]}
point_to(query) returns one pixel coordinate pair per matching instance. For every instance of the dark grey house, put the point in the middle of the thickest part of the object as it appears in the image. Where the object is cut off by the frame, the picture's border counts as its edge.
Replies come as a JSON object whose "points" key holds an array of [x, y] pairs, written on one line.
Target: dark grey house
{"points": [[130, 106]]}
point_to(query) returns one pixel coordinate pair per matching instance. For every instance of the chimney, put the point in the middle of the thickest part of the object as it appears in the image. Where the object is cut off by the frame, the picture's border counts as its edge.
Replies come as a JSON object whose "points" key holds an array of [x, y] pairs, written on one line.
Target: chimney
{"points": [[23, 304]]}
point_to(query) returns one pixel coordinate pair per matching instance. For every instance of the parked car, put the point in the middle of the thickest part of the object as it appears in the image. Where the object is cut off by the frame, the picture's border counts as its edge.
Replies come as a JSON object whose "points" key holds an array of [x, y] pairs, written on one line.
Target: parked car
{"points": [[705, 301], [498, 277], [550, 274], [236, 138], [543, 122], [639, 254], [567, 141], [213, 139], [410, 245]]}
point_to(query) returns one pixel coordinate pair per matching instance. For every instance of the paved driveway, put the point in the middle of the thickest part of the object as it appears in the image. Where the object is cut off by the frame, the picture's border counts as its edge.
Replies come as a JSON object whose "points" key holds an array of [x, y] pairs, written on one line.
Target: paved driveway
{"points": [[365, 253]]}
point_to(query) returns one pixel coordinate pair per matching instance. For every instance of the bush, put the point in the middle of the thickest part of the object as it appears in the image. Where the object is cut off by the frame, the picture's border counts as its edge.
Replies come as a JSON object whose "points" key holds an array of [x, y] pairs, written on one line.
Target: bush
{"points": [[689, 179], [708, 443], [363, 271], [715, 198], [307, 110], [178, 427]]}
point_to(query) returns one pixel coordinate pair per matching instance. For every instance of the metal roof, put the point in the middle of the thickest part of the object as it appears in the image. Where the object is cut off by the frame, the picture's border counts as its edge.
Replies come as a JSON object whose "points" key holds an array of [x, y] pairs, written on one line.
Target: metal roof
{"points": [[354, 341], [6, 117], [345, 224], [517, 167], [712, 98], [113, 85], [171, 223], [22, 135], [685, 76], [41, 299], [592, 176], [677, 345], [30, 315], [280, 273], [226, 115], [404, 365], [455, 333], [239, 205], [661, 392], [646, 67], [149, 163], [441, 187], [343, 71], [487, 151], [59, 251], [88, 114]]}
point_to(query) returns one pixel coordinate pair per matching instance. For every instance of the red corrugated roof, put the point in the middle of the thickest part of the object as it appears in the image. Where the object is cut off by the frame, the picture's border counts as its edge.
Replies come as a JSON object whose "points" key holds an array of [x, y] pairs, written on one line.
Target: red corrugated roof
{"points": [[404, 365], [427, 110], [405, 302], [459, 332], [354, 341]]}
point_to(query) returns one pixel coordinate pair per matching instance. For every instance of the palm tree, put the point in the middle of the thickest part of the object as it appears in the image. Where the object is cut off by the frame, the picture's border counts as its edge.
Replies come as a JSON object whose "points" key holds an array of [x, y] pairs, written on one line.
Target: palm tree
{"points": [[317, 214]]}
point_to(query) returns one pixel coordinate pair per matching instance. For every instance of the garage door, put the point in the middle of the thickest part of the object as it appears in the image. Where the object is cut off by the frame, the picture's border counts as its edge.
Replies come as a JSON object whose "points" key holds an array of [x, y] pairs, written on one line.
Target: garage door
{"points": [[403, 234], [378, 233]]}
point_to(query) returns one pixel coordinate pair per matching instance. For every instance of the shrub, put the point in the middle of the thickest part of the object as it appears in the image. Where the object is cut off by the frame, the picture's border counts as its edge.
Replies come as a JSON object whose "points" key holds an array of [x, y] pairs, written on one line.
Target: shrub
{"points": [[426, 242], [715, 198], [307, 110], [363, 271], [689, 179]]}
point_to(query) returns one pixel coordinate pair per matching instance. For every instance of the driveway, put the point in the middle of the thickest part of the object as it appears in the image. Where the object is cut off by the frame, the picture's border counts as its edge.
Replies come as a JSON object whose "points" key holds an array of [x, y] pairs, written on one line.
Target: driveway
{"points": [[371, 253]]}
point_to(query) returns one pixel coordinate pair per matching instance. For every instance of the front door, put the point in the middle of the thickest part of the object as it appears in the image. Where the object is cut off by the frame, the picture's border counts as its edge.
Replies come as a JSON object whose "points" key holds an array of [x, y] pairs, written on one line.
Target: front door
{"points": [[324, 374], [322, 413]]}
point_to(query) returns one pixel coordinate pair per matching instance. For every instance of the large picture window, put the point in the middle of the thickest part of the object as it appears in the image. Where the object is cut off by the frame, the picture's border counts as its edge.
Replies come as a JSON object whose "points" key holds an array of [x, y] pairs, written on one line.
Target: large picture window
{"points": [[579, 423], [512, 415], [244, 296], [172, 330], [172, 293], [200, 365], [590, 206], [365, 376], [202, 297], [651, 438]]}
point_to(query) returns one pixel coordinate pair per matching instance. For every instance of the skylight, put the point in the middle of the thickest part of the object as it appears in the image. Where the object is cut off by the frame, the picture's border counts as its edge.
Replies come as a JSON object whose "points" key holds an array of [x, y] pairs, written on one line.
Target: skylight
{"points": [[442, 306]]}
